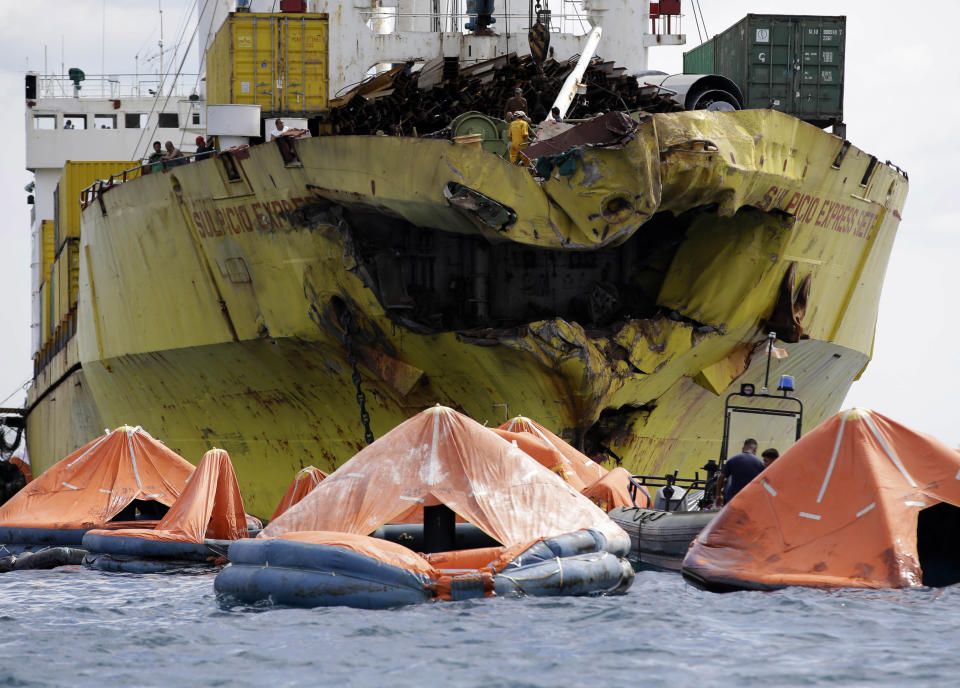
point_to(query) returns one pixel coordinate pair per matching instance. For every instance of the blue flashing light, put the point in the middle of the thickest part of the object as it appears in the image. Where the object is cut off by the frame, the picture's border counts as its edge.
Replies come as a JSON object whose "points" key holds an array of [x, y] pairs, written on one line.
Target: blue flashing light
{"points": [[786, 383]]}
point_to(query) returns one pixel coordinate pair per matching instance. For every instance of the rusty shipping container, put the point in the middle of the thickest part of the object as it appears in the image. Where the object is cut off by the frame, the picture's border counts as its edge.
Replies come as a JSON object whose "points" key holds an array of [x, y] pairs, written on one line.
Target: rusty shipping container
{"points": [[76, 176], [276, 61], [791, 63]]}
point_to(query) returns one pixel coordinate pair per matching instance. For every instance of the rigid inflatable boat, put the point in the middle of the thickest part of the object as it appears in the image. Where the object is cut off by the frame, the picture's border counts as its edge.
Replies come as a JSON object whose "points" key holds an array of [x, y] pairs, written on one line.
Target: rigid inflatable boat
{"points": [[860, 501], [659, 539], [124, 477], [548, 539], [195, 532]]}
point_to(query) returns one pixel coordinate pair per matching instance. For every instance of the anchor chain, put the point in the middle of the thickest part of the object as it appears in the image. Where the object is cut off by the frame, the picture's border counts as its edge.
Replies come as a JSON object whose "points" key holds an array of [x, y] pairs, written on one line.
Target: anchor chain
{"points": [[349, 330]]}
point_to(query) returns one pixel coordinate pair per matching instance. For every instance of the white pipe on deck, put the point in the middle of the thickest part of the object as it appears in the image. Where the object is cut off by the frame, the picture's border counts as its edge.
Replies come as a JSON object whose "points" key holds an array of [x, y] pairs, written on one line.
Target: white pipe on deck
{"points": [[569, 91]]}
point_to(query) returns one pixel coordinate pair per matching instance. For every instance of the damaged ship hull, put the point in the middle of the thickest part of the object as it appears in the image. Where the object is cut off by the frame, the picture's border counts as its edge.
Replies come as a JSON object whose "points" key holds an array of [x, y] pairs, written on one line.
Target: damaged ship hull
{"points": [[617, 299]]}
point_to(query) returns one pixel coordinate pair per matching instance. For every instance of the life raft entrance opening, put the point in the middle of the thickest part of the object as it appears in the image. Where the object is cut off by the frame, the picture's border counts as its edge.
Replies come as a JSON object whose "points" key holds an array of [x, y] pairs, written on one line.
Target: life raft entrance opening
{"points": [[938, 536], [142, 510]]}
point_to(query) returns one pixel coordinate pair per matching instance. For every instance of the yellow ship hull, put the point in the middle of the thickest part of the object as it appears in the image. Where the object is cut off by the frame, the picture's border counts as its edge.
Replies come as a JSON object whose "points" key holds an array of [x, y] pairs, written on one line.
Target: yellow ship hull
{"points": [[212, 300]]}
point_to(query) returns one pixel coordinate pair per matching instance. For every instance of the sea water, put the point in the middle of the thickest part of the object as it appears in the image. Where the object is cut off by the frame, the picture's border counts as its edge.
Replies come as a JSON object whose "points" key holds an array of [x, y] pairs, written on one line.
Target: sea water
{"points": [[76, 627]]}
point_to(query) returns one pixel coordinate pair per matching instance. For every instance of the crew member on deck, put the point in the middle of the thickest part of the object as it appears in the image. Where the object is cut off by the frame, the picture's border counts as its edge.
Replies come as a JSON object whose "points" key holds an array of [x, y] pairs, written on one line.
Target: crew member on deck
{"points": [[203, 148], [155, 161], [516, 102], [554, 115], [173, 156], [737, 471], [769, 456], [519, 134], [282, 130]]}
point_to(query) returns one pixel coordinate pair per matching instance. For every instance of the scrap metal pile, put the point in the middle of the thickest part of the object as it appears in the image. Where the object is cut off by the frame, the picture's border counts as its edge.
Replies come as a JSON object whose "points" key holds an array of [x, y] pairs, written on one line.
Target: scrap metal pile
{"points": [[404, 102]]}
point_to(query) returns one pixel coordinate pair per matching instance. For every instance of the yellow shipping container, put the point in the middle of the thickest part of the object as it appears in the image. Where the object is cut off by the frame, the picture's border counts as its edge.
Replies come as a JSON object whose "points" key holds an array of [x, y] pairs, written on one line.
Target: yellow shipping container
{"points": [[67, 269], [45, 312], [75, 178], [48, 249], [276, 61]]}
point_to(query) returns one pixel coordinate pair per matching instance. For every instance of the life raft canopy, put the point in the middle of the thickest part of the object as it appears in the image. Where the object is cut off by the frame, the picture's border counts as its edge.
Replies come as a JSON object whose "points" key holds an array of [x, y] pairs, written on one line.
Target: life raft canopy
{"points": [[305, 480], [210, 509], [860, 501], [438, 457], [92, 486], [607, 489]]}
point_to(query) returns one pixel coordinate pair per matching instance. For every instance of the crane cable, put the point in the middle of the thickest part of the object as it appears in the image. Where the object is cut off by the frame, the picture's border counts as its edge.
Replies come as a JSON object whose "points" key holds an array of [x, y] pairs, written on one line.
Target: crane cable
{"points": [[163, 81]]}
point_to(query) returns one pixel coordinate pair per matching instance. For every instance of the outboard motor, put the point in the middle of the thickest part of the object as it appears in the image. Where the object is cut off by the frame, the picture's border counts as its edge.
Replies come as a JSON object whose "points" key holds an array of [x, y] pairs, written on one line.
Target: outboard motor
{"points": [[696, 91]]}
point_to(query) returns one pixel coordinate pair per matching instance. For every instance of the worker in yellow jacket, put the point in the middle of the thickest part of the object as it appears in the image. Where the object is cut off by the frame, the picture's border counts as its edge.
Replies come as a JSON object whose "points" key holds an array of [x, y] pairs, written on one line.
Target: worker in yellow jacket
{"points": [[519, 134]]}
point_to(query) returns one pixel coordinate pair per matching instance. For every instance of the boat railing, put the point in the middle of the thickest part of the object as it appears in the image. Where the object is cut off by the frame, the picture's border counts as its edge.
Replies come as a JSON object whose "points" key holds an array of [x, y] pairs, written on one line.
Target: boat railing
{"points": [[95, 191], [385, 20], [669, 483], [57, 341], [116, 86]]}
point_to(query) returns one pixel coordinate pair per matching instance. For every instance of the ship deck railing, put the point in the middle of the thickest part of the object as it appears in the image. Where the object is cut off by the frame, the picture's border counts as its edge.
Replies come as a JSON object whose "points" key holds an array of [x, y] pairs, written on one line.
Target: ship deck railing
{"points": [[95, 190], [117, 86]]}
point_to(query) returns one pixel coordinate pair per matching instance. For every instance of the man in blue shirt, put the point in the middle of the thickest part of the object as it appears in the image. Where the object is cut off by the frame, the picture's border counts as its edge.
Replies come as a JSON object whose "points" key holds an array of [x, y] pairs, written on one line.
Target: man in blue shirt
{"points": [[737, 471]]}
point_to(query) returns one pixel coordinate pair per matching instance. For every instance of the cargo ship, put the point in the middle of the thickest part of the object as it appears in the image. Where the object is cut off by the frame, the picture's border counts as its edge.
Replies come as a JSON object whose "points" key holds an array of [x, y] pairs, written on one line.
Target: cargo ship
{"points": [[291, 299]]}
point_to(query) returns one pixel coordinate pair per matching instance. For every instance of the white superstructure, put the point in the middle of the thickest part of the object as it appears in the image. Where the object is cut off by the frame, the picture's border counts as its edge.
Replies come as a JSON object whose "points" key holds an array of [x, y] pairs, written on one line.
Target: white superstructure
{"points": [[366, 33], [63, 124]]}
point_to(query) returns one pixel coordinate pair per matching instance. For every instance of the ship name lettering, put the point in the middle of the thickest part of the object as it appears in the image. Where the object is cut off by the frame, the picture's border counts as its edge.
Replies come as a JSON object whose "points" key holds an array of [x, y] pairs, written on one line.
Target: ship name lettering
{"points": [[232, 213], [820, 212], [221, 221], [244, 219], [198, 221], [263, 218]]}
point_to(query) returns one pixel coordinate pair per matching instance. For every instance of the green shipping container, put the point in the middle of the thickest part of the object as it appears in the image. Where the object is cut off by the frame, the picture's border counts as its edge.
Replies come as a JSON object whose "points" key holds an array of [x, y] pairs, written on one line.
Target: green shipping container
{"points": [[789, 63], [699, 60]]}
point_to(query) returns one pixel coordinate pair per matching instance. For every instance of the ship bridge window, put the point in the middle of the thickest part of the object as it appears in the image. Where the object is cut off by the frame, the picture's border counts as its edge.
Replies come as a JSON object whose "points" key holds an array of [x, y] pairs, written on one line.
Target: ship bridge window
{"points": [[74, 121], [104, 121], [168, 120], [44, 121], [134, 120]]}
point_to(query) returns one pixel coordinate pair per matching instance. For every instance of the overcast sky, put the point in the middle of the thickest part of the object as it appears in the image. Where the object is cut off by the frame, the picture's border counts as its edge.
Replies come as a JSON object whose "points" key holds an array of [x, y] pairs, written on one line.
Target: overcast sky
{"points": [[901, 104]]}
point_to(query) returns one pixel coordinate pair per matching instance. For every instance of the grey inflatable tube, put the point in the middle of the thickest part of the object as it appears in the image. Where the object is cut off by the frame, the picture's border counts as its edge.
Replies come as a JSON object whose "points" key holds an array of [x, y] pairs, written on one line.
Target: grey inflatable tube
{"points": [[302, 574], [127, 554], [67, 537]]}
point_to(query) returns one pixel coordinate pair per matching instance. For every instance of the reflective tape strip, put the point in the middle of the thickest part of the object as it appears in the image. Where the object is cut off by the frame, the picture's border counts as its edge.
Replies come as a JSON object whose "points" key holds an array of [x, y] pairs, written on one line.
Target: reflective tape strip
{"points": [[812, 517], [354, 475], [411, 499], [769, 487], [154, 496], [72, 487], [957, 476], [912, 503], [866, 509], [890, 454], [106, 491], [833, 458], [433, 468], [133, 459], [96, 444]]}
